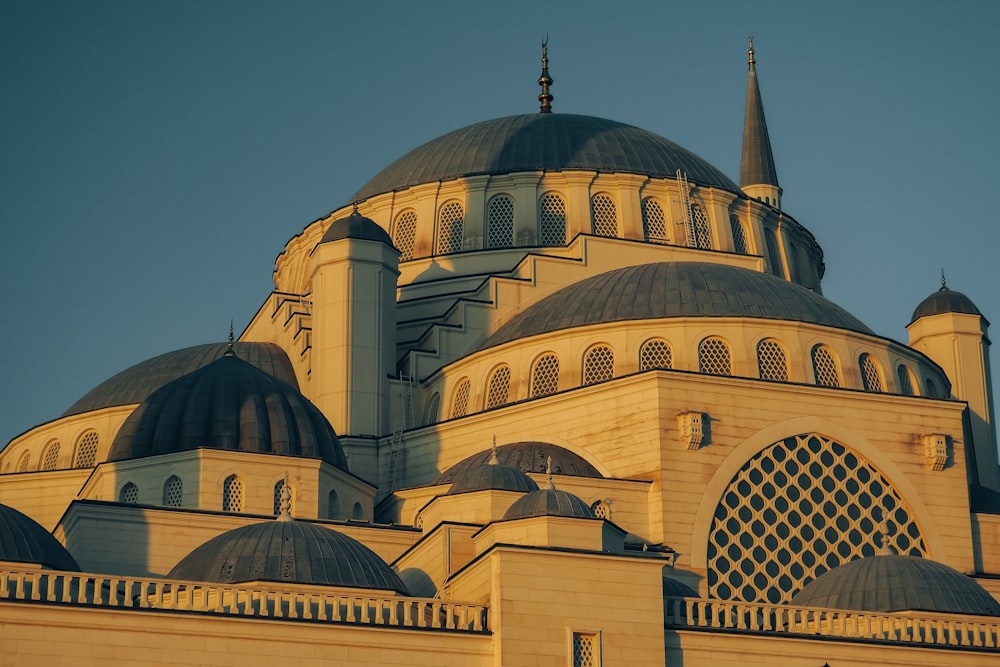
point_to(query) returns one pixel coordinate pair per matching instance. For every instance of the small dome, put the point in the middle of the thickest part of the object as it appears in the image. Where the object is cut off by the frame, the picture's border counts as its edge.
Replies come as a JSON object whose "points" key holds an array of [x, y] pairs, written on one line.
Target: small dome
{"points": [[526, 457], [492, 476], [24, 540], [287, 552], [229, 405], [356, 226], [549, 502], [944, 301], [897, 583]]}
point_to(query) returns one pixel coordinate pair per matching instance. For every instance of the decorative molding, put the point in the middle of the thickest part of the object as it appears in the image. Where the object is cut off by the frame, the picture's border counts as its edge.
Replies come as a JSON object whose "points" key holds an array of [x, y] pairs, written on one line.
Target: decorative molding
{"points": [[935, 450], [692, 430]]}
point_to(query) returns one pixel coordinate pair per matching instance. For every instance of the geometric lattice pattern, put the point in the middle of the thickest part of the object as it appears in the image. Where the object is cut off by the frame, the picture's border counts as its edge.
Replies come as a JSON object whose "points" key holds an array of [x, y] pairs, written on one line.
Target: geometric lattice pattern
{"points": [[655, 353], [460, 406], [86, 450], [598, 365], [825, 367], [545, 376], [905, 380], [51, 459], [24, 462], [605, 215], [601, 509], [702, 229], [500, 222], [871, 374], [129, 494], [773, 254], [496, 394], [585, 653], [771, 361], [406, 234], [232, 494], [552, 219], [799, 508], [654, 223], [713, 357], [739, 236], [450, 221], [173, 491], [279, 488]]}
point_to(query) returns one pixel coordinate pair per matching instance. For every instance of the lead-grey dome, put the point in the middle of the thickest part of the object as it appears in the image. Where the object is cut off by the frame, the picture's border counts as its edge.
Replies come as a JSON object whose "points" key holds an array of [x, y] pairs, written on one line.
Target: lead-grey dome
{"points": [[674, 289], [897, 583], [549, 501], [356, 226], [526, 457], [288, 552], [24, 540], [545, 142], [492, 477], [944, 301], [229, 405]]}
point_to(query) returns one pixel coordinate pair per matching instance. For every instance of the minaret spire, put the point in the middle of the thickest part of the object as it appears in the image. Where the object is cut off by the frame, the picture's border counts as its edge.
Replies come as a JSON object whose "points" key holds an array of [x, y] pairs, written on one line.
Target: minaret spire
{"points": [[545, 80], [758, 176]]}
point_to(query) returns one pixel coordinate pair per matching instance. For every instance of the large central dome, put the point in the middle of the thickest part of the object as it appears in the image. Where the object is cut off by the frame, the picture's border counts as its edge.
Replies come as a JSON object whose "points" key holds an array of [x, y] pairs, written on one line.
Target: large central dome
{"points": [[544, 142]]}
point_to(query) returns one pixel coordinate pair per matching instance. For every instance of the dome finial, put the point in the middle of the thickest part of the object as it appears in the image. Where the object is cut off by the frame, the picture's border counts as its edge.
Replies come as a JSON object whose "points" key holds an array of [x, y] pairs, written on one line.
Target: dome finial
{"points": [[545, 80], [548, 474], [230, 352], [493, 457], [944, 283], [355, 202], [285, 502], [883, 534]]}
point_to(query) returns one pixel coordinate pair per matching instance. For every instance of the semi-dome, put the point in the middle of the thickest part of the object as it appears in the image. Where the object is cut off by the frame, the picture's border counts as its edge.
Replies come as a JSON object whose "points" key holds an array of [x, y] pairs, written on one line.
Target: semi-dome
{"points": [[492, 476], [897, 583], [135, 384], [675, 289], [545, 142], [526, 457], [944, 301], [230, 405], [356, 226], [549, 501], [287, 552], [24, 540]]}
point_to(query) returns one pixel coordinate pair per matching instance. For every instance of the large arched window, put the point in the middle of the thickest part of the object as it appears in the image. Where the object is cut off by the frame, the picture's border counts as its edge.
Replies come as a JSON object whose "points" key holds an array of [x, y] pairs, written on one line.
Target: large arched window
{"points": [[173, 491], [605, 215], [24, 462], [714, 357], [86, 450], [654, 223], [500, 222], [774, 253], [405, 234], [771, 361], [598, 364], [871, 373], [739, 235], [129, 494], [551, 219], [460, 404], [545, 376], [498, 387], [825, 367], [232, 494], [702, 228], [50, 459], [451, 219], [906, 382], [655, 353]]}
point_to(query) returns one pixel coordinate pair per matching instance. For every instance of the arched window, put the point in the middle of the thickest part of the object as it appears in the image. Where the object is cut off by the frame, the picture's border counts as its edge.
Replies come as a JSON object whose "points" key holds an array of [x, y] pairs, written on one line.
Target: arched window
{"points": [[24, 462], [771, 361], [499, 385], [500, 222], [50, 460], [714, 357], [773, 253], [655, 353], [173, 491], [433, 409], [232, 494], [598, 364], [450, 221], [405, 229], [86, 450], [332, 505], [129, 494], [825, 367], [545, 376], [605, 215], [739, 235], [702, 228], [905, 380], [654, 223], [601, 509], [460, 405], [552, 219], [358, 512], [279, 488], [871, 374]]}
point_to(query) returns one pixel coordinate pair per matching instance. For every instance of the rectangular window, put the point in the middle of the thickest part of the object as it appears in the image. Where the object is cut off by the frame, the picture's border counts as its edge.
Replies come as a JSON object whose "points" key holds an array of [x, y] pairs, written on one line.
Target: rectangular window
{"points": [[586, 649]]}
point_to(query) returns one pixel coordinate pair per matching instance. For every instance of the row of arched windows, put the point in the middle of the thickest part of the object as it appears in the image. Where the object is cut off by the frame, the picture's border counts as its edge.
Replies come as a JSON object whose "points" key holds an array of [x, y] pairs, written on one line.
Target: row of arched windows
{"points": [[84, 456], [714, 358], [173, 492]]}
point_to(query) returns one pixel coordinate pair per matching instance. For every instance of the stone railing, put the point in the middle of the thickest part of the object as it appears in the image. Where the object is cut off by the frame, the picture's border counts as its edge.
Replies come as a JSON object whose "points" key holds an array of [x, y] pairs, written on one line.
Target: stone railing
{"points": [[911, 627], [268, 600]]}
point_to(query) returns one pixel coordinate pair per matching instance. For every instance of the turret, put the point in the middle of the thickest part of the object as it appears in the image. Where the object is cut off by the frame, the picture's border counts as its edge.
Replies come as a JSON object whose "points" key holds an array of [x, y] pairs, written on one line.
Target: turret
{"points": [[758, 177]]}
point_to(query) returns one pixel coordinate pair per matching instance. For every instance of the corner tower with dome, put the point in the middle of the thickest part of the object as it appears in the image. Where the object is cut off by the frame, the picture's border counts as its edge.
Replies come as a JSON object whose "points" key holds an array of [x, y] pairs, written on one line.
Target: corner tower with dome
{"points": [[696, 455]]}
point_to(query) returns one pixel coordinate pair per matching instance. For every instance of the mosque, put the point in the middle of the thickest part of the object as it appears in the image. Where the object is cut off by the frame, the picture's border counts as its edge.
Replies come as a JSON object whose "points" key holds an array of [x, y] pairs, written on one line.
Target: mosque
{"points": [[550, 390]]}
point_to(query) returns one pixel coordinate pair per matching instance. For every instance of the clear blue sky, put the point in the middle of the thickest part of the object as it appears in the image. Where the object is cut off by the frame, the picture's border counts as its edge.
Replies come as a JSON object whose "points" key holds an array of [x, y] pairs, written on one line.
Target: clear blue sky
{"points": [[155, 156]]}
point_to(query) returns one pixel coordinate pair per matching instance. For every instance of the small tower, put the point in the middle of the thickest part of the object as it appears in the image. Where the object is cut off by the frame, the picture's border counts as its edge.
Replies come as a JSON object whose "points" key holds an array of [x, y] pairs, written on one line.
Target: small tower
{"points": [[949, 329], [758, 177]]}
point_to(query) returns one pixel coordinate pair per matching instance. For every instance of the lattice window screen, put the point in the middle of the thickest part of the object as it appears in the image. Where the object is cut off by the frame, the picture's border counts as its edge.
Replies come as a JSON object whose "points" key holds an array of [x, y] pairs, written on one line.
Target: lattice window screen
{"points": [[601, 509], [129, 494], [702, 228], [500, 222], [86, 450], [332, 505], [450, 221], [51, 460], [801, 507], [279, 487], [545, 376], [739, 235], [496, 393], [232, 494], [713, 357], [871, 374], [655, 353], [771, 361], [552, 219], [585, 650], [173, 491], [605, 215], [460, 406], [406, 234], [825, 367], [905, 380], [654, 223], [598, 365], [24, 462]]}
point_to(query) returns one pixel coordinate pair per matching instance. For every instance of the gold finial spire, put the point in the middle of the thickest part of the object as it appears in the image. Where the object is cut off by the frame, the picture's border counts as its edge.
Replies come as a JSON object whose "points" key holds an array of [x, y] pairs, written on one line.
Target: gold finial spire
{"points": [[285, 502], [751, 61], [545, 80], [493, 457], [548, 474]]}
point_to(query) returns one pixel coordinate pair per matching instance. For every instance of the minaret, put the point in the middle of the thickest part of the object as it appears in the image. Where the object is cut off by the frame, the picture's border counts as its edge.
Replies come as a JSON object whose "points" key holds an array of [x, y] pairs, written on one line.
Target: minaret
{"points": [[758, 177]]}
